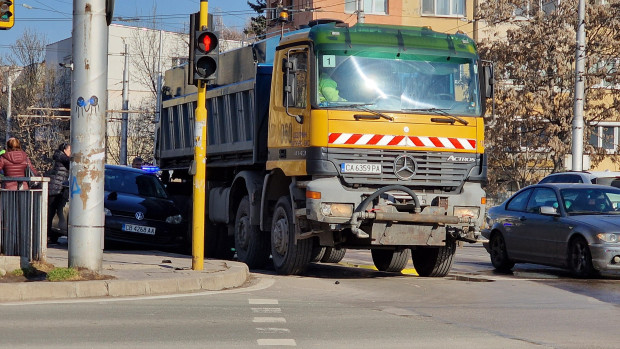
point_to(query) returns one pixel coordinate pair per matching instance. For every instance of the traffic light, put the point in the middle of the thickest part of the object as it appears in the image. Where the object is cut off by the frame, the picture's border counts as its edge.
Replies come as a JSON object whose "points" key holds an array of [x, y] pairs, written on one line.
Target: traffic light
{"points": [[206, 53], [7, 11]]}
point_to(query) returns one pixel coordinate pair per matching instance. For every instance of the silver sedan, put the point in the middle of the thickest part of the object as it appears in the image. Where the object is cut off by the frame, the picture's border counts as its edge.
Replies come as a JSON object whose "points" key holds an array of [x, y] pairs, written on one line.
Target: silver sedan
{"points": [[574, 226]]}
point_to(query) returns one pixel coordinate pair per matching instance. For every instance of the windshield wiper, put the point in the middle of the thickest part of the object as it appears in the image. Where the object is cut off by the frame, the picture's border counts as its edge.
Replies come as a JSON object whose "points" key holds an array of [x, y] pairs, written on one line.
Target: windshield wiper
{"points": [[376, 113], [441, 112]]}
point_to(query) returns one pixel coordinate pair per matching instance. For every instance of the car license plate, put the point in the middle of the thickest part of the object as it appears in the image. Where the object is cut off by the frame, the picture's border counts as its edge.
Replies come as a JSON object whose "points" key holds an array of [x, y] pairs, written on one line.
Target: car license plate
{"points": [[348, 167], [139, 229]]}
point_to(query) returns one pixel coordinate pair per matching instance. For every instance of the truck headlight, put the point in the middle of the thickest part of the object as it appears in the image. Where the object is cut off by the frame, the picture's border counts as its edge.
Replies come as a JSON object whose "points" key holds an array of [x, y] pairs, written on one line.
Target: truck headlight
{"points": [[174, 219], [336, 210], [607, 237], [467, 211]]}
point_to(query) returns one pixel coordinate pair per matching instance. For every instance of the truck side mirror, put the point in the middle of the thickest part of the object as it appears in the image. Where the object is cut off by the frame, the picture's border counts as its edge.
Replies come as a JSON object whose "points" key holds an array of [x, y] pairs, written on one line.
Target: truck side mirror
{"points": [[488, 81], [289, 68]]}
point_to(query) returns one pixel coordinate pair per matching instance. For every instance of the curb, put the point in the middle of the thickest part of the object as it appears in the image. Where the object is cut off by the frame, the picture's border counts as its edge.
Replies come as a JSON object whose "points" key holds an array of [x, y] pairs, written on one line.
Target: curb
{"points": [[235, 275]]}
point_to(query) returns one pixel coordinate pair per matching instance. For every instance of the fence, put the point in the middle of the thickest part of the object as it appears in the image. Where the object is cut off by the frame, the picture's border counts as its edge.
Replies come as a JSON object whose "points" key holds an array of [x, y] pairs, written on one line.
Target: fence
{"points": [[23, 220]]}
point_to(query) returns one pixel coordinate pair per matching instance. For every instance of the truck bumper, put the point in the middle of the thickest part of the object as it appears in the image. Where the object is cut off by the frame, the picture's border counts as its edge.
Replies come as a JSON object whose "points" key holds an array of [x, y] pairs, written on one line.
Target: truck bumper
{"points": [[333, 204]]}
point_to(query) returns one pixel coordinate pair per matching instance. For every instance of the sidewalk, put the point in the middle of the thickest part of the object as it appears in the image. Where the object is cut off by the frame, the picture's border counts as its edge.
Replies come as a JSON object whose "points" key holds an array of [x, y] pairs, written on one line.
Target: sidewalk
{"points": [[137, 273]]}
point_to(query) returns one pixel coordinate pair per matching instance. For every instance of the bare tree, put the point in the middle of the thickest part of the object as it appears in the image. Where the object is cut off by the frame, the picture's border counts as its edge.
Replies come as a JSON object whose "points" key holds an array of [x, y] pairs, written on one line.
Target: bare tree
{"points": [[34, 92], [530, 133]]}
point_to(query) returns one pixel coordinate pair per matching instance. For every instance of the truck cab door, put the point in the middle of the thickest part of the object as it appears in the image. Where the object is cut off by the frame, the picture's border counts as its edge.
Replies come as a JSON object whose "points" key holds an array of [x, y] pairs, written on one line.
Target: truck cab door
{"points": [[289, 130]]}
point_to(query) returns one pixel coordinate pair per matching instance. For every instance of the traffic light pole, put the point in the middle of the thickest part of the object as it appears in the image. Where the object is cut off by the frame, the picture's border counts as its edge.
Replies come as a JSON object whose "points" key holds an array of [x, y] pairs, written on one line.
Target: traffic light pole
{"points": [[200, 155], [89, 101]]}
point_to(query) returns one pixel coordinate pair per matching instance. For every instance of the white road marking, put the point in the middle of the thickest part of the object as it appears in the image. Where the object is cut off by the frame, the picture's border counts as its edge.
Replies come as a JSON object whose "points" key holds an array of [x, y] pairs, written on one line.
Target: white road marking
{"points": [[263, 301], [269, 319], [272, 330], [283, 342], [267, 310]]}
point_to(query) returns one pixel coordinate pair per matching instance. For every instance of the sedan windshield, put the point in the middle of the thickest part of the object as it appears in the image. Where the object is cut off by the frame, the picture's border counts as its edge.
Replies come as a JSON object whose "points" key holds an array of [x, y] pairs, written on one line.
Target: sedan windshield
{"points": [[411, 83], [591, 201], [136, 183]]}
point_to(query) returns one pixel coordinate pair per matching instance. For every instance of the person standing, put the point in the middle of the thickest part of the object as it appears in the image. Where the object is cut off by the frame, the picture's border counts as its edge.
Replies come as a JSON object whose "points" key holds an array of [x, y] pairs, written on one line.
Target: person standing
{"points": [[14, 164], [58, 193]]}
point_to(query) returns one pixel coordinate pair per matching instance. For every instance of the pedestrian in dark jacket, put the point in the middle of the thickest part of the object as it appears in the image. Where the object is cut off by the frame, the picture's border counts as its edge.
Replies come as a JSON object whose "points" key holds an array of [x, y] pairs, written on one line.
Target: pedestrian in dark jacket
{"points": [[14, 164], [58, 193]]}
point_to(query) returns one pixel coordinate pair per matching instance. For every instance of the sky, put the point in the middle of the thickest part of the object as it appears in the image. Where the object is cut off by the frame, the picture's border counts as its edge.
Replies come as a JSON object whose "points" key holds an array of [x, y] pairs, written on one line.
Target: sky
{"points": [[53, 18]]}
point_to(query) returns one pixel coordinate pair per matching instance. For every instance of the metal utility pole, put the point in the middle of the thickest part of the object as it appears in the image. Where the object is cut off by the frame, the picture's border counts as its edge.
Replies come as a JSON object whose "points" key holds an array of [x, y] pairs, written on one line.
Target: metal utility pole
{"points": [[360, 11], [580, 58], [8, 107], [125, 119], [200, 159], [89, 101]]}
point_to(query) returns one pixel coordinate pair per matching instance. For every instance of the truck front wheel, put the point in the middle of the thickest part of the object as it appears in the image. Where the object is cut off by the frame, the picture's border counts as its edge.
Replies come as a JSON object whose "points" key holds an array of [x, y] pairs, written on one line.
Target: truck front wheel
{"points": [[434, 261], [251, 244], [393, 261], [288, 257]]}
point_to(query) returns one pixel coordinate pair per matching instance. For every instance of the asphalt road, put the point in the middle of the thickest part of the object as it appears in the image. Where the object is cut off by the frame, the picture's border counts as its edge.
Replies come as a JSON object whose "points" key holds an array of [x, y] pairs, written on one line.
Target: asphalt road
{"points": [[339, 306]]}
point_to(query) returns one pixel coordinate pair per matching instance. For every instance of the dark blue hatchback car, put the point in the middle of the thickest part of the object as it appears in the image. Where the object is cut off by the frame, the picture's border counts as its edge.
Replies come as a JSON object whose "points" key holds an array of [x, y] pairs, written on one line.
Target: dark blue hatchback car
{"points": [[138, 211]]}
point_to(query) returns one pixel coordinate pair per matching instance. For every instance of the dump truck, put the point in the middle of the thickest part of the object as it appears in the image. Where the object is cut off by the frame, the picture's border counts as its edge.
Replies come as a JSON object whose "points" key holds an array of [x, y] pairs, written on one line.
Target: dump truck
{"points": [[336, 137]]}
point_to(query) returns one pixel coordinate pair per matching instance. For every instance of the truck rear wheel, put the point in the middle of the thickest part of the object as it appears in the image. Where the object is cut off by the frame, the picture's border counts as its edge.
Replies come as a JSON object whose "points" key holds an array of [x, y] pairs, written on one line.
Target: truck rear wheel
{"points": [[288, 257], [393, 261], [251, 244], [333, 254], [434, 261]]}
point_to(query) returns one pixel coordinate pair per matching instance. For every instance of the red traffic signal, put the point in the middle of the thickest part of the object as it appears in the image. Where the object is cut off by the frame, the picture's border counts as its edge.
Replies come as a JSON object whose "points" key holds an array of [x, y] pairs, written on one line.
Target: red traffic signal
{"points": [[206, 53]]}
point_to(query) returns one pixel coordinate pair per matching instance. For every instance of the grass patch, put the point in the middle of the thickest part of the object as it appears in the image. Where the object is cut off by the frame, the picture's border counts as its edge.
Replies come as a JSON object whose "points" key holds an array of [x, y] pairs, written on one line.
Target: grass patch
{"points": [[63, 274]]}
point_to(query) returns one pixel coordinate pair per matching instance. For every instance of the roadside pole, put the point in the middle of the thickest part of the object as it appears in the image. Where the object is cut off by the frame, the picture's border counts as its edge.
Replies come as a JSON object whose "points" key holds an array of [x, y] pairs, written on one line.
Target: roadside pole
{"points": [[125, 118], [89, 101], [200, 155], [580, 58]]}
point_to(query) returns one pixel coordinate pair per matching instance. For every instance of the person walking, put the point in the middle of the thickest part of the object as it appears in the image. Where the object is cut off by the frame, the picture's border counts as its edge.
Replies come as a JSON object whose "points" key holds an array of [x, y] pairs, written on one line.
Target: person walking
{"points": [[58, 193], [14, 164]]}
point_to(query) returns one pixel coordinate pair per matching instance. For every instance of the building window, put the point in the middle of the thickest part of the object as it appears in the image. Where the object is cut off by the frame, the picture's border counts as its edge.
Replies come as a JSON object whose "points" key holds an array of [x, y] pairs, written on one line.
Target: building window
{"points": [[606, 136], [443, 7], [370, 7]]}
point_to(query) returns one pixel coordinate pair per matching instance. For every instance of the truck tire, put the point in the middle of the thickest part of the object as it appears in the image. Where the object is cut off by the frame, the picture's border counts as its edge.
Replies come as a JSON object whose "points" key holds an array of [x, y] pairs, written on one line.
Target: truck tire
{"points": [[333, 255], [317, 253], [288, 257], [392, 261], [434, 261], [251, 244]]}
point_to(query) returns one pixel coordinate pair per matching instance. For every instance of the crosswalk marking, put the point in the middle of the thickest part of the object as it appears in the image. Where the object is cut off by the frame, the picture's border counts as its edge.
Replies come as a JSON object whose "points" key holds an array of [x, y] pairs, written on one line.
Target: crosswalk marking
{"points": [[282, 342], [272, 330], [263, 301], [267, 310], [269, 319]]}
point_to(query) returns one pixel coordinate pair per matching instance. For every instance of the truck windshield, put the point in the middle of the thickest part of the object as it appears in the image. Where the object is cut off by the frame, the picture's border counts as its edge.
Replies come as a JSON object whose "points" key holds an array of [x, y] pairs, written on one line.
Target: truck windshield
{"points": [[411, 83]]}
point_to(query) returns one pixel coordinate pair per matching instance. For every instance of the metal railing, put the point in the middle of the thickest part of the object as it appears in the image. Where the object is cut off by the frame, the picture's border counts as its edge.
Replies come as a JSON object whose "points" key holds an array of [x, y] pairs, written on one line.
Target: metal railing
{"points": [[23, 219]]}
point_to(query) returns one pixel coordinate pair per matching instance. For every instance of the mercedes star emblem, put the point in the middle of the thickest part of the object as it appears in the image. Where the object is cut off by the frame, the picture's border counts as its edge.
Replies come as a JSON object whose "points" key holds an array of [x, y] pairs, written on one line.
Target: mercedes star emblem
{"points": [[404, 166]]}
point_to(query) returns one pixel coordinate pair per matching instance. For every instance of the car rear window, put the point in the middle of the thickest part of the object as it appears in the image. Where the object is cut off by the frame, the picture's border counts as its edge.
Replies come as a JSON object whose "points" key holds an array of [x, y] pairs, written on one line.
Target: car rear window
{"points": [[136, 183], [613, 181]]}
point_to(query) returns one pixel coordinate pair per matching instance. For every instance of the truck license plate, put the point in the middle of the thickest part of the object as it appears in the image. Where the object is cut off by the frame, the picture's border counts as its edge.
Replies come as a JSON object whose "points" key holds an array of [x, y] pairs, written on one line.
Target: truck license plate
{"points": [[348, 167], [139, 229]]}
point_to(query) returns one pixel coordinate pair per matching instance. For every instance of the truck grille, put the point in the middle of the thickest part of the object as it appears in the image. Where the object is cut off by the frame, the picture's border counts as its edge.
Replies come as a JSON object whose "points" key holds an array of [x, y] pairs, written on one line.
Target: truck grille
{"points": [[433, 169]]}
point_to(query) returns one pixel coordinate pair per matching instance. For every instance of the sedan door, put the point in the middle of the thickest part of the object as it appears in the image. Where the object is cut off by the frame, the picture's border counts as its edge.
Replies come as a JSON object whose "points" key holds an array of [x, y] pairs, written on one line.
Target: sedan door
{"points": [[542, 232], [512, 225]]}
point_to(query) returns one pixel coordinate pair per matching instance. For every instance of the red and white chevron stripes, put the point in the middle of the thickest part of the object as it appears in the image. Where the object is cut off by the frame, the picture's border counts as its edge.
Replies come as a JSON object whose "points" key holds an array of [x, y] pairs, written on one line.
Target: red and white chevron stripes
{"points": [[402, 141]]}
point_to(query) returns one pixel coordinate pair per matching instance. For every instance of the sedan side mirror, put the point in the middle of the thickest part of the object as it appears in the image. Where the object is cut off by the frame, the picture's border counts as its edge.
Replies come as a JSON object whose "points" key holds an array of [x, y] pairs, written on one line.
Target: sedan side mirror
{"points": [[549, 211]]}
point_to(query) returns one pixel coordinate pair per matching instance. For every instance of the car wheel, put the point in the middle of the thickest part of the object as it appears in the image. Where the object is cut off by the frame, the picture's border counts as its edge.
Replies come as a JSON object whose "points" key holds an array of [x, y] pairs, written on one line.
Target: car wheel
{"points": [[392, 261], [499, 254], [333, 255], [251, 244], [434, 261], [579, 258], [289, 256]]}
